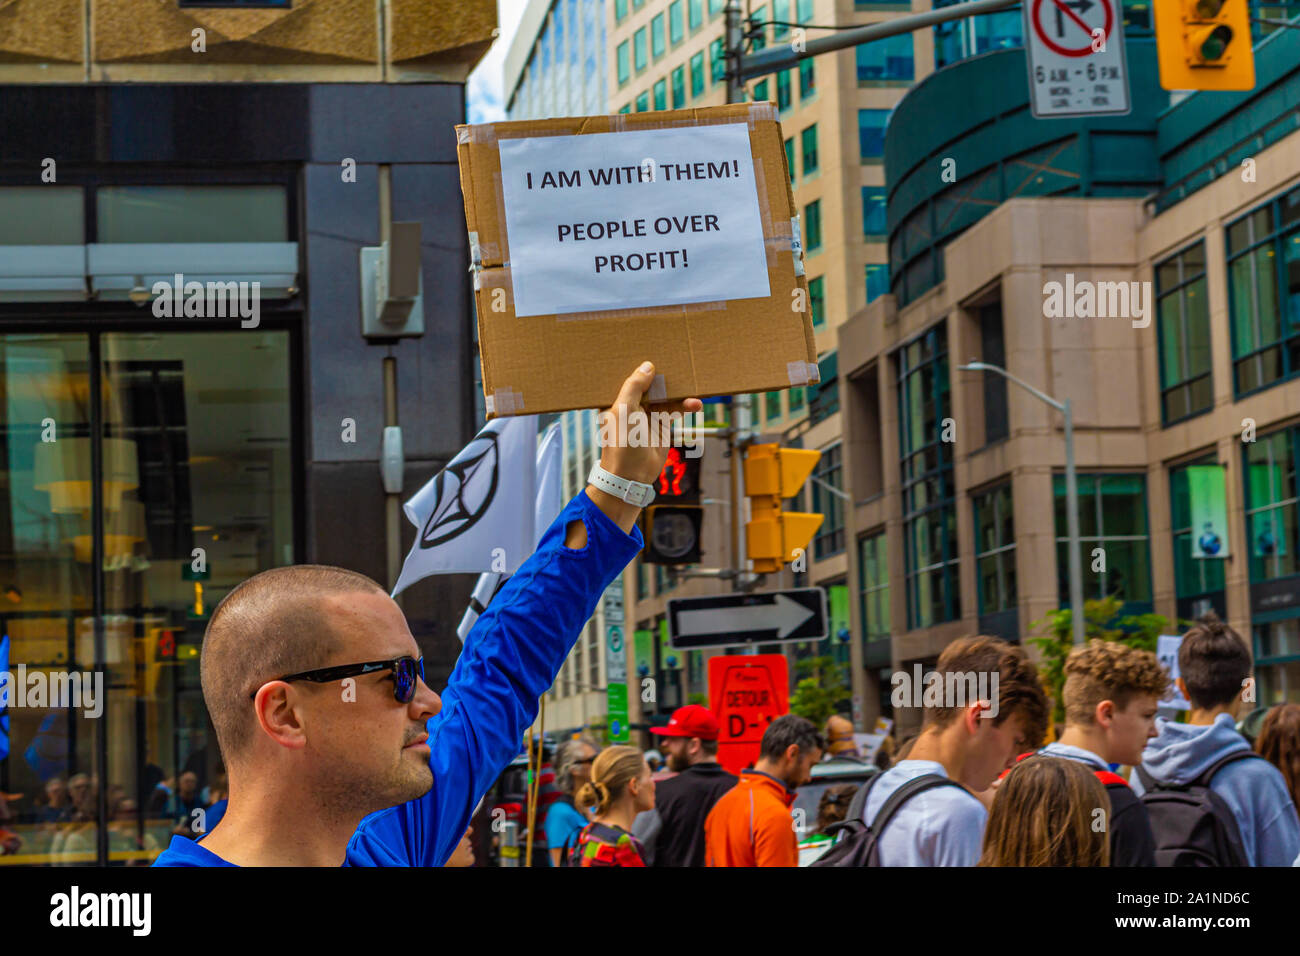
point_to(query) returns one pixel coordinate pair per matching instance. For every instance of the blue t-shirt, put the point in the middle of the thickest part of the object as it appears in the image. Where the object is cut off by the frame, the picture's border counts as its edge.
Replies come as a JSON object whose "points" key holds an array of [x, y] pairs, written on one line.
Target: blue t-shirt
{"points": [[510, 658], [563, 824]]}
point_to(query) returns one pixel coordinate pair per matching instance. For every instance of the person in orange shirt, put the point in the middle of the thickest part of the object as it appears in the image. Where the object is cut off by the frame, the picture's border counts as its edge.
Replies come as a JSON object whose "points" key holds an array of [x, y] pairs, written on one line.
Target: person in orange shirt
{"points": [[751, 824]]}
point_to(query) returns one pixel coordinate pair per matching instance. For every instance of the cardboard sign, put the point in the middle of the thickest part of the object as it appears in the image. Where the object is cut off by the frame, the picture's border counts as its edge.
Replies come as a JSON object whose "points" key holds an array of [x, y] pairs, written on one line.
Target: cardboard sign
{"points": [[746, 693], [598, 222], [599, 242]]}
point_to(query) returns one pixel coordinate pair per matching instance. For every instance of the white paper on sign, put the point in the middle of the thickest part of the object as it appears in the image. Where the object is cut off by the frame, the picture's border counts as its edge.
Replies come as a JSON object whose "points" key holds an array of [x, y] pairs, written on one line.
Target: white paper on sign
{"points": [[632, 220]]}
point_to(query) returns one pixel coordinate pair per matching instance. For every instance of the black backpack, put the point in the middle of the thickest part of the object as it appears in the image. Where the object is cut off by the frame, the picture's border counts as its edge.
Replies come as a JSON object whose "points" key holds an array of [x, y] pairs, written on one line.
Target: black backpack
{"points": [[858, 844], [1193, 825]]}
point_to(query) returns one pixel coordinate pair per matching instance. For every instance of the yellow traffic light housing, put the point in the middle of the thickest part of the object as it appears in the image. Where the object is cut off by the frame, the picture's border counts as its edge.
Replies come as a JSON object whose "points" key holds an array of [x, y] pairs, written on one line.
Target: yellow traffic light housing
{"points": [[774, 537], [1204, 45]]}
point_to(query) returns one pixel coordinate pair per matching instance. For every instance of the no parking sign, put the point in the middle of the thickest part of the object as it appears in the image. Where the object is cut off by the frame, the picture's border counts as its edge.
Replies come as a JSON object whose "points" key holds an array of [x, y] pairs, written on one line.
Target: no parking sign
{"points": [[1075, 53]]}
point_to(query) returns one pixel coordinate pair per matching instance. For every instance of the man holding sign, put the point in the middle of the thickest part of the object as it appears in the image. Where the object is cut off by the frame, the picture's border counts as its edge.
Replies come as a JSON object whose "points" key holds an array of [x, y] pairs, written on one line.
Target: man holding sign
{"points": [[315, 687]]}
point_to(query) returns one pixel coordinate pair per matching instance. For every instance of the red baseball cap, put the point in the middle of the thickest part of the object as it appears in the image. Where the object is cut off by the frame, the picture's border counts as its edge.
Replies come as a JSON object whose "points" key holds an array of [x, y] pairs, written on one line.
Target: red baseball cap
{"points": [[690, 721]]}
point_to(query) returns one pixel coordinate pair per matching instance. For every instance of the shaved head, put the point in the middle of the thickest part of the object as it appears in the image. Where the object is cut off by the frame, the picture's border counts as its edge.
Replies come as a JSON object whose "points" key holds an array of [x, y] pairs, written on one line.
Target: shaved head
{"points": [[271, 625]]}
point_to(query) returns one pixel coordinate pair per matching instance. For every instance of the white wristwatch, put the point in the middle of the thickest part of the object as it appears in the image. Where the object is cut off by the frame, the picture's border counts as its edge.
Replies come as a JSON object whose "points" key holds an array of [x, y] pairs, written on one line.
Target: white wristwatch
{"points": [[633, 492]]}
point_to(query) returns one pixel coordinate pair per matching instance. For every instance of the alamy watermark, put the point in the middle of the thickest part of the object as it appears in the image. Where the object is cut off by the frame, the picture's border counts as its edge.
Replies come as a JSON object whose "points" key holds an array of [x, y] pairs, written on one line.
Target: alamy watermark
{"points": [[215, 300], [77, 690], [953, 689], [1098, 300], [641, 429]]}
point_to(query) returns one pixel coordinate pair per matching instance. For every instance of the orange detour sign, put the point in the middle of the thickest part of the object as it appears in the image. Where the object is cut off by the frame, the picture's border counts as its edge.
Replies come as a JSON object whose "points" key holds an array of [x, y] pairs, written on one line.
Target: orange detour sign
{"points": [[746, 693]]}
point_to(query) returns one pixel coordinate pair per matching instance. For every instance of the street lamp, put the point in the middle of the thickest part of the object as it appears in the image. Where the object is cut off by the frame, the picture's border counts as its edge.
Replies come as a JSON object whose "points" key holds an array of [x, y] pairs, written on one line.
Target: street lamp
{"points": [[1071, 491]]}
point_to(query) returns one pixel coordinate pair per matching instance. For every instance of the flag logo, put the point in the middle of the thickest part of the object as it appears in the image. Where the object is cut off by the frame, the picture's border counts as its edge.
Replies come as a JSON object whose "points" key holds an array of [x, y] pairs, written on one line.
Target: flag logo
{"points": [[463, 491]]}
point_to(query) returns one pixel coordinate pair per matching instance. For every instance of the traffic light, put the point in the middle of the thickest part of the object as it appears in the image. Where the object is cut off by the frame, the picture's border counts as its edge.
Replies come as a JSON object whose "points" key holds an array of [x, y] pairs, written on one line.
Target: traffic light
{"points": [[772, 536], [672, 534], [1204, 45], [680, 479]]}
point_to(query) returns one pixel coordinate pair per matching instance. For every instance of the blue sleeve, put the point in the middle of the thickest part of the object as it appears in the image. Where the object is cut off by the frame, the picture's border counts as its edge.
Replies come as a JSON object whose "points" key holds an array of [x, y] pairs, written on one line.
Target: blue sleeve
{"points": [[510, 658], [561, 822]]}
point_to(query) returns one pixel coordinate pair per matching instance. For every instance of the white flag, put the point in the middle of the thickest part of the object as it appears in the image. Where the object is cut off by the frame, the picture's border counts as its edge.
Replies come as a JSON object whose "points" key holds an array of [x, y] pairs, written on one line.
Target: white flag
{"points": [[549, 504], [477, 514]]}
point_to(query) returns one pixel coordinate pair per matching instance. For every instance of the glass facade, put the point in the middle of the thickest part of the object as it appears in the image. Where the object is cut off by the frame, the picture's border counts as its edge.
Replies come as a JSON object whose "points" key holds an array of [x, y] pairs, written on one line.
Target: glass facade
{"points": [[1113, 538], [871, 134], [873, 213], [1183, 313], [817, 300], [958, 39], [829, 539], [1198, 582], [567, 72], [873, 583], [877, 277], [808, 142], [193, 451], [812, 226], [929, 508], [995, 551], [1264, 294], [1271, 525], [885, 61]]}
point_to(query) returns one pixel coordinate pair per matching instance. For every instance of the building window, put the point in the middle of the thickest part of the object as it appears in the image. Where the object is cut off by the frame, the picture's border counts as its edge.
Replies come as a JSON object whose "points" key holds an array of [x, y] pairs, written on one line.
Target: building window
{"points": [[679, 87], [675, 31], [1271, 514], [873, 212], [804, 10], [783, 90], [643, 102], [929, 509], [624, 71], [657, 46], [638, 50], [772, 406], [755, 29], [877, 281], [995, 551], [829, 539], [1263, 258], [760, 91], [1112, 518], [181, 214], [817, 301], [661, 95], [958, 39], [824, 396], [808, 142], [625, 108], [695, 14], [697, 74], [807, 81], [796, 399], [717, 62], [1197, 581], [871, 134], [620, 10], [781, 17], [789, 156], [715, 7], [1183, 315], [812, 226], [887, 60], [638, 4], [993, 350], [873, 584]]}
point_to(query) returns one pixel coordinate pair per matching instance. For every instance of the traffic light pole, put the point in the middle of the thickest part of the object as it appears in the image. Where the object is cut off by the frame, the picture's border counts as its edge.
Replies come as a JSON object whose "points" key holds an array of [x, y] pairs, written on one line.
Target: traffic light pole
{"points": [[773, 59]]}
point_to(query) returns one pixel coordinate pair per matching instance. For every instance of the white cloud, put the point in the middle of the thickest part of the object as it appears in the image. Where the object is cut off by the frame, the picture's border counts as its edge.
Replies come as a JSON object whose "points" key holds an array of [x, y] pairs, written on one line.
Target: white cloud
{"points": [[485, 97]]}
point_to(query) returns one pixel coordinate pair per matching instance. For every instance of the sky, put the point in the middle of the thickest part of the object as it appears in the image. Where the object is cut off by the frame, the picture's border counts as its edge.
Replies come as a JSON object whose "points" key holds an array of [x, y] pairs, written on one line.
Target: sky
{"points": [[486, 98]]}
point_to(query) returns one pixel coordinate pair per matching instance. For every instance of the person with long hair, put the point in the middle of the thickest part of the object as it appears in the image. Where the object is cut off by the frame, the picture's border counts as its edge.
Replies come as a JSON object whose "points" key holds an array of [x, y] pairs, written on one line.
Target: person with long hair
{"points": [[620, 787], [1046, 813], [573, 760], [1279, 744]]}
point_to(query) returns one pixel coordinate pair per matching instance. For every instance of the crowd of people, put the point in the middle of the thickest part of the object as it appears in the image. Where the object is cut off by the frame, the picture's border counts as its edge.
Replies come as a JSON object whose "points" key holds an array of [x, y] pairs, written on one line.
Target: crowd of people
{"points": [[60, 825], [1118, 786]]}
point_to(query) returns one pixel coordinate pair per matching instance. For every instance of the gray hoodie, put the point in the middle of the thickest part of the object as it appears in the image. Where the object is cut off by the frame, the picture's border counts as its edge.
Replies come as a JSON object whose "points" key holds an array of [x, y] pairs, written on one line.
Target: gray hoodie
{"points": [[1254, 789]]}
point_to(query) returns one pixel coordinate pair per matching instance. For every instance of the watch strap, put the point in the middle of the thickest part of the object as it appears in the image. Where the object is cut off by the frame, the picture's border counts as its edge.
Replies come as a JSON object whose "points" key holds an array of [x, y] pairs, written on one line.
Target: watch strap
{"points": [[625, 489]]}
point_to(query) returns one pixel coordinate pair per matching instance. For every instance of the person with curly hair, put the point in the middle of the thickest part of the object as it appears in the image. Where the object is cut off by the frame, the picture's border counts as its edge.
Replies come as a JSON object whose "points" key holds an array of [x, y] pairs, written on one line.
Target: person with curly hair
{"points": [[1214, 668], [1111, 695]]}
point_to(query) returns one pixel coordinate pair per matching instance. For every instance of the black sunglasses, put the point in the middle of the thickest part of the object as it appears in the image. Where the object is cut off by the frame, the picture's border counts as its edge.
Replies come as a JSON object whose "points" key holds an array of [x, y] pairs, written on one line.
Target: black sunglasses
{"points": [[405, 670]]}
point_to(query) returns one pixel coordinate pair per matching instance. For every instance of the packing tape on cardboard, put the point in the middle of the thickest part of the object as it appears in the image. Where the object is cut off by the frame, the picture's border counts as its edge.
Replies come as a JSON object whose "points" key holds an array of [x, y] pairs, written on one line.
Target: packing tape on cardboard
{"points": [[658, 389], [764, 112], [765, 211], [796, 245], [503, 401], [802, 373]]}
